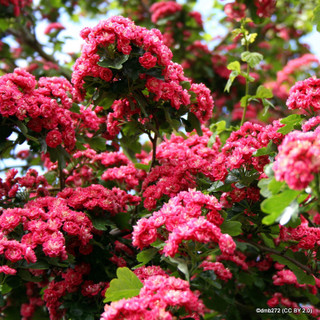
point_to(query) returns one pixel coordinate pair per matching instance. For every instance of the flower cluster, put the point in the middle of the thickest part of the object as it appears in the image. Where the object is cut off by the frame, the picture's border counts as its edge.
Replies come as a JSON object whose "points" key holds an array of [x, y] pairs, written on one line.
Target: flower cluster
{"points": [[181, 219], [42, 104], [298, 159], [180, 162], [46, 223], [163, 9], [159, 298], [119, 37], [305, 95], [99, 198]]}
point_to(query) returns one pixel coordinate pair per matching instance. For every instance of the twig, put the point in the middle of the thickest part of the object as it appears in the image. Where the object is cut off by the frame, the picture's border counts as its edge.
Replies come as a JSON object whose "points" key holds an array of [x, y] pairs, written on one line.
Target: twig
{"points": [[281, 254]]}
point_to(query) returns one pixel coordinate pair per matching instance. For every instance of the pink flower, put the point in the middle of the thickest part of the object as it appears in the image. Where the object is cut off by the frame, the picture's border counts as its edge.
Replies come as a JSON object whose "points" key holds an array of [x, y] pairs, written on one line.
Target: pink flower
{"points": [[148, 61], [298, 159], [7, 270], [53, 138]]}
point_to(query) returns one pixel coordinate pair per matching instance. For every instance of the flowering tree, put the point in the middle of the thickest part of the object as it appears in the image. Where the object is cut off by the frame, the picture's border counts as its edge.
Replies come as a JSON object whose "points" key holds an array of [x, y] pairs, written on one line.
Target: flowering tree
{"points": [[164, 177]]}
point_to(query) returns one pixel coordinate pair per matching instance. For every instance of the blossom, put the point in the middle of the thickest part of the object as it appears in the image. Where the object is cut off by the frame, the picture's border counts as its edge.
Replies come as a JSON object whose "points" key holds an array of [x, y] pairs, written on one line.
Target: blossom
{"points": [[158, 299], [305, 95], [298, 159]]}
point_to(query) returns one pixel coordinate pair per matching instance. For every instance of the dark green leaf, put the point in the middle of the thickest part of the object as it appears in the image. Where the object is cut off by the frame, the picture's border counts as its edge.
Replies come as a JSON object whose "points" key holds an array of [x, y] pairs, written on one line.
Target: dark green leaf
{"points": [[116, 63], [233, 228], [75, 108], [194, 124], [146, 256], [97, 143]]}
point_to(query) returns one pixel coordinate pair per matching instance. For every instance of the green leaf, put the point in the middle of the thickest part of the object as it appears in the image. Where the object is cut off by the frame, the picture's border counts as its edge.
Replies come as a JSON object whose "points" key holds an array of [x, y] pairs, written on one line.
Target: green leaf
{"points": [[270, 149], [50, 176], [146, 256], [290, 123], [122, 220], [116, 63], [181, 265], [194, 124], [75, 108], [4, 25], [39, 265], [276, 204], [126, 285], [97, 143], [27, 276], [100, 223], [252, 58], [232, 76], [234, 66], [263, 92], [245, 100], [233, 228], [142, 166], [185, 84]]}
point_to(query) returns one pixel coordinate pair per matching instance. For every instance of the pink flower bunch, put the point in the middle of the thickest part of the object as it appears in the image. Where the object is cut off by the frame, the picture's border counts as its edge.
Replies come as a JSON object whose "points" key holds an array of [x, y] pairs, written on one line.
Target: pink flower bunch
{"points": [[27, 310], [307, 237], [180, 162], [265, 8], [46, 223], [219, 269], [122, 111], [278, 298], [120, 35], [204, 106], [45, 102], [237, 257], [241, 145], [298, 159], [283, 277], [162, 9], [180, 220], [97, 197], [53, 26], [89, 119], [18, 5], [12, 184], [305, 95], [159, 298], [127, 175], [235, 11], [286, 77], [72, 280]]}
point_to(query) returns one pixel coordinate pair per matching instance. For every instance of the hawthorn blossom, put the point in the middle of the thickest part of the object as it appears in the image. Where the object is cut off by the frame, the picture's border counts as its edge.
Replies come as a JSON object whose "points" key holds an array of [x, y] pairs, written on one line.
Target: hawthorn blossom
{"points": [[298, 159]]}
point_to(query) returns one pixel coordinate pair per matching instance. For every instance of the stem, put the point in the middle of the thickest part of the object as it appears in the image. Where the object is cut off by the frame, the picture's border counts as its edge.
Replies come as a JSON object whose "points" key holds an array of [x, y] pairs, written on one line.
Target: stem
{"points": [[246, 93], [61, 178], [154, 149], [281, 254]]}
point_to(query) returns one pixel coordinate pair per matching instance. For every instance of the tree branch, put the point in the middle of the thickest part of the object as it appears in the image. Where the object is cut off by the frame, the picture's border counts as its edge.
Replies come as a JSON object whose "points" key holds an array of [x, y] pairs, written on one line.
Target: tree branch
{"points": [[281, 254]]}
